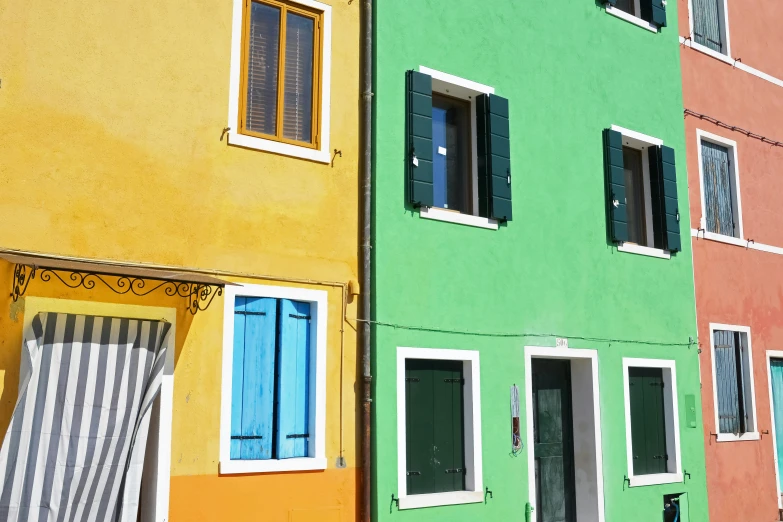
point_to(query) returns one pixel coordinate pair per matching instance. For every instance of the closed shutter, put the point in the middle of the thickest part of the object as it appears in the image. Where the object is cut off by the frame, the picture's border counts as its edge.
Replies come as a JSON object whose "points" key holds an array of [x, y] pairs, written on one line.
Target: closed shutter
{"points": [[648, 421], [252, 386], [419, 139], [665, 207], [293, 388], [718, 201], [615, 186], [435, 459], [494, 157], [653, 11], [729, 377], [707, 24]]}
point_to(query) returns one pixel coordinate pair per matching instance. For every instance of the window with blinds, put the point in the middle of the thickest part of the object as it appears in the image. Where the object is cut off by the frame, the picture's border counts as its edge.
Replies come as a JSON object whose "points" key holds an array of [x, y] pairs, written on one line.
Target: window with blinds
{"points": [[281, 72]]}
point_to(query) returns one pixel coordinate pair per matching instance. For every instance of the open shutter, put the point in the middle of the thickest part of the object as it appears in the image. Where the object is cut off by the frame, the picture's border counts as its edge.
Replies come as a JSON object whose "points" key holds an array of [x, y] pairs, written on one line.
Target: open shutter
{"points": [[654, 11], [666, 214], [293, 383], [615, 183], [639, 452], [419, 426], [494, 157], [252, 382], [419, 146]]}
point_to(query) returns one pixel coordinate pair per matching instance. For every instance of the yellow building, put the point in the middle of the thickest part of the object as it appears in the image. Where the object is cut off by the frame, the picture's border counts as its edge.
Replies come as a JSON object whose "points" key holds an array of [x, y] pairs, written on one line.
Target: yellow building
{"points": [[161, 158]]}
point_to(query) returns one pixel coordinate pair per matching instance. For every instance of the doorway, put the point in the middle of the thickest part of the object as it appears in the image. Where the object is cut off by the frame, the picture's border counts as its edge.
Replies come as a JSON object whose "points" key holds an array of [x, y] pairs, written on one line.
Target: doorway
{"points": [[565, 478]]}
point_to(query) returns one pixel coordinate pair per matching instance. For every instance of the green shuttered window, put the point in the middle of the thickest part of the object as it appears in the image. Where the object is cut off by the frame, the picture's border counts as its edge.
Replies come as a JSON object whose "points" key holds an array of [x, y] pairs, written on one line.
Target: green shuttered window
{"points": [[270, 379], [648, 421], [645, 215], [443, 171], [435, 438], [652, 11]]}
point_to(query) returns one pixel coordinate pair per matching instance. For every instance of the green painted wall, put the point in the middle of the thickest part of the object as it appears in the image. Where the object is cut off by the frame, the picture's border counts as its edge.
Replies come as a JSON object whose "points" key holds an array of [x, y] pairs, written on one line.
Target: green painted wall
{"points": [[569, 70]]}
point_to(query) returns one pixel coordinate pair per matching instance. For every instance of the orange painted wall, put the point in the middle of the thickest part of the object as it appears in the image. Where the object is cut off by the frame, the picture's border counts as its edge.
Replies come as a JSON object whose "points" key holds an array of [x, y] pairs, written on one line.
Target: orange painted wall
{"points": [[736, 285]]}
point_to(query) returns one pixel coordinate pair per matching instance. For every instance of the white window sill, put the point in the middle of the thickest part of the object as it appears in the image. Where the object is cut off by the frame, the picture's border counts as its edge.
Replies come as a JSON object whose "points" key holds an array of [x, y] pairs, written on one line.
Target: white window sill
{"points": [[286, 149], [232, 467], [619, 13], [656, 479], [451, 498], [731, 437], [633, 248], [706, 50], [440, 214], [712, 236]]}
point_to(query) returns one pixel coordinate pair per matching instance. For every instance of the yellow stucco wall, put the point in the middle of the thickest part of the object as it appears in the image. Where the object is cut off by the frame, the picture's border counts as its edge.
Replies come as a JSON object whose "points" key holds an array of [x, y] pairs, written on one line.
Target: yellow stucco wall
{"points": [[111, 115]]}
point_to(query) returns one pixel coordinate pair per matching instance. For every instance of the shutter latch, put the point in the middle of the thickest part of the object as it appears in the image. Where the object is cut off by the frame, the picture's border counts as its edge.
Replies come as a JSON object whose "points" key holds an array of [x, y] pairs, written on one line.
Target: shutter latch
{"points": [[678, 216], [456, 470], [298, 436], [414, 473], [461, 381], [415, 160], [615, 203]]}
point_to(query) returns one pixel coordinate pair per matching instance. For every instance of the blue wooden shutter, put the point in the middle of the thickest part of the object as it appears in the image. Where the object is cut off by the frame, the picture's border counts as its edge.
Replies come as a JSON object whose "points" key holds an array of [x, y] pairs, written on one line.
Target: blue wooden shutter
{"points": [[494, 157], [666, 213], [654, 11], [707, 24], [718, 200], [727, 378], [615, 186], [419, 139], [293, 382], [252, 383]]}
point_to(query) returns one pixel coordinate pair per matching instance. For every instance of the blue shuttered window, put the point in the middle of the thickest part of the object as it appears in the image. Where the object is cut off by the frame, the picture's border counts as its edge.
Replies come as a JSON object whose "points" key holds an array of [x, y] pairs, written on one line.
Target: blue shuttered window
{"points": [[270, 379], [718, 190], [732, 382], [707, 22]]}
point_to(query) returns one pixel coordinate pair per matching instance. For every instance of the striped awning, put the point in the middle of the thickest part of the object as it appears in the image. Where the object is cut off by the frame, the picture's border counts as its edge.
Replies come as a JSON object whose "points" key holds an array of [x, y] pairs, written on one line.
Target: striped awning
{"points": [[74, 449]]}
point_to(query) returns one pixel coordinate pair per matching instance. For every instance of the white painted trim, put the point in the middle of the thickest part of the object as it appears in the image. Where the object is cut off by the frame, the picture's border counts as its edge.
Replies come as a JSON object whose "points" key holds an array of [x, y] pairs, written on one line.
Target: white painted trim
{"points": [[451, 498], [633, 248], [156, 485], [730, 61], [534, 352], [730, 437], [671, 421], [317, 443], [474, 481], [619, 13], [321, 155], [736, 195], [440, 214], [774, 354], [645, 140], [456, 87], [725, 34]]}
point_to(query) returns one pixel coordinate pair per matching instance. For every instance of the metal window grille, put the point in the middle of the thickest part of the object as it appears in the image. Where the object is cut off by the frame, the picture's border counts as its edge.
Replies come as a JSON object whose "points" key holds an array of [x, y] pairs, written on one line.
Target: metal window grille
{"points": [[730, 370], [718, 192]]}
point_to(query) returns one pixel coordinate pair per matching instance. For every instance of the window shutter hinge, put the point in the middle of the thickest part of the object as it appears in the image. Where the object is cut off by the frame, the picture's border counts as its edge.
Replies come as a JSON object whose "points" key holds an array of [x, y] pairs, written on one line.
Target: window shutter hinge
{"points": [[456, 470], [413, 473], [411, 379], [461, 381]]}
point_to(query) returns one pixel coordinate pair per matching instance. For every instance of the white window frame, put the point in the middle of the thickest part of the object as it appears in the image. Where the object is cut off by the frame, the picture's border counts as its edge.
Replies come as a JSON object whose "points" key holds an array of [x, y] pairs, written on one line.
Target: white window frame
{"points": [[671, 420], [456, 87], [317, 421], [643, 142], [736, 197], [752, 417], [321, 155], [723, 7], [628, 17], [474, 482], [156, 486]]}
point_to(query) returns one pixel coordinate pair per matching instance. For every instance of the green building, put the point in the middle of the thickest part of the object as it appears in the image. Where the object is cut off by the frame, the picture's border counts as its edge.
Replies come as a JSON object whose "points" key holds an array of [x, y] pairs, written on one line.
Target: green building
{"points": [[529, 203]]}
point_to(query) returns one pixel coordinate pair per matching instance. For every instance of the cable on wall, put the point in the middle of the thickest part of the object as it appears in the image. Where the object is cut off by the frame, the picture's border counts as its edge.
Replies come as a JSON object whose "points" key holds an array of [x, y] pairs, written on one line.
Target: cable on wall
{"points": [[734, 128]]}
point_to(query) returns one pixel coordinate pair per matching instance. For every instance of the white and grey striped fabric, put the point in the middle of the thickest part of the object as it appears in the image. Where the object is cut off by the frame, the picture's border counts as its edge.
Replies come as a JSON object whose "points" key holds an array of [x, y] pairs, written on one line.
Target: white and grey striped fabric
{"points": [[74, 450]]}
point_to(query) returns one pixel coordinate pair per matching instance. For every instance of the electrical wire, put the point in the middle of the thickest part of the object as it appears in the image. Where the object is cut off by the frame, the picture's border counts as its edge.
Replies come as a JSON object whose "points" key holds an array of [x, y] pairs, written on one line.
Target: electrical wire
{"points": [[522, 334], [734, 128]]}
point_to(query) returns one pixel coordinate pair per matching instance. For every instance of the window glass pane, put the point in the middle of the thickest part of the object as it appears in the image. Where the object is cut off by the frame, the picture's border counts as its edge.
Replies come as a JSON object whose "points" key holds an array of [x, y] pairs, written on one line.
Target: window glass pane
{"points": [[451, 153], [634, 196], [707, 24], [728, 377], [262, 69], [718, 199], [627, 6], [298, 95]]}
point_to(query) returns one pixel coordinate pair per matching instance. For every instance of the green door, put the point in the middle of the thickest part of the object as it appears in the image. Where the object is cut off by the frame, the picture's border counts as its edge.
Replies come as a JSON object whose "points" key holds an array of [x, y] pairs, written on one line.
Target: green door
{"points": [[554, 441]]}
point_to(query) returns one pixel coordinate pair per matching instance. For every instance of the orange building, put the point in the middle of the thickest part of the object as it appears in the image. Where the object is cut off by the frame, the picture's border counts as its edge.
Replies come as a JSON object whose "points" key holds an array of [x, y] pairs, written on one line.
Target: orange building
{"points": [[733, 95]]}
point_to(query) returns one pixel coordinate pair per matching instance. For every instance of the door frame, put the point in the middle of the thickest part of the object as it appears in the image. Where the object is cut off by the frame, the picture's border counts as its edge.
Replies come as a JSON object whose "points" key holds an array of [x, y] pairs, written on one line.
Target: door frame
{"points": [[774, 354], [540, 352]]}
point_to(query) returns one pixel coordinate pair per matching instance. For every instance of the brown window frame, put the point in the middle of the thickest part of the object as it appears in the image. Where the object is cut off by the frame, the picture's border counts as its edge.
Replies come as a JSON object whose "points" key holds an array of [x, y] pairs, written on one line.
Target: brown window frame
{"points": [[317, 17]]}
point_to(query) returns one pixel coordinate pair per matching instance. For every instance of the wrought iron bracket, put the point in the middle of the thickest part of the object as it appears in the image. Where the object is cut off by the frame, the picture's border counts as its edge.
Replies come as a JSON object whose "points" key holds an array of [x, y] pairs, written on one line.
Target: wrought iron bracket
{"points": [[198, 296]]}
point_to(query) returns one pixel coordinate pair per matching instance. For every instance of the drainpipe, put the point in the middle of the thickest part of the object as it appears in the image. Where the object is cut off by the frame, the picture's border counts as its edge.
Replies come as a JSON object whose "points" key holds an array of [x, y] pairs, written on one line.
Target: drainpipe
{"points": [[366, 239]]}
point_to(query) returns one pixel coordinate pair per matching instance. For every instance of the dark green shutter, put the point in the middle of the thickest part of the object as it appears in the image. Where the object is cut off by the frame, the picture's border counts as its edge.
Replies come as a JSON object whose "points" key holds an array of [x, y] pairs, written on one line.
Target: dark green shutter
{"points": [[611, 2], [648, 423], [665, 208], [419, 139], [615, 186], [434, 426], [654, 11], [494, 157]]}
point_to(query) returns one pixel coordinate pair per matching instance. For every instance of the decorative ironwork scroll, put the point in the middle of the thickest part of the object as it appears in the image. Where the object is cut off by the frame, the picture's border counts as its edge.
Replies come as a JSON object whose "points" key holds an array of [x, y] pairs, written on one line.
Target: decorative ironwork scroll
{"points": [[197, 295]]}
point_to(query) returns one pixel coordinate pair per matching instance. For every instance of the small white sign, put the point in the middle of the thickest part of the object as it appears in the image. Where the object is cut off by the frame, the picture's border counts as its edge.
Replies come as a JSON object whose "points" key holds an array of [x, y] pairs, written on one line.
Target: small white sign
{"points": [[561, 343], [442, 151]]}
